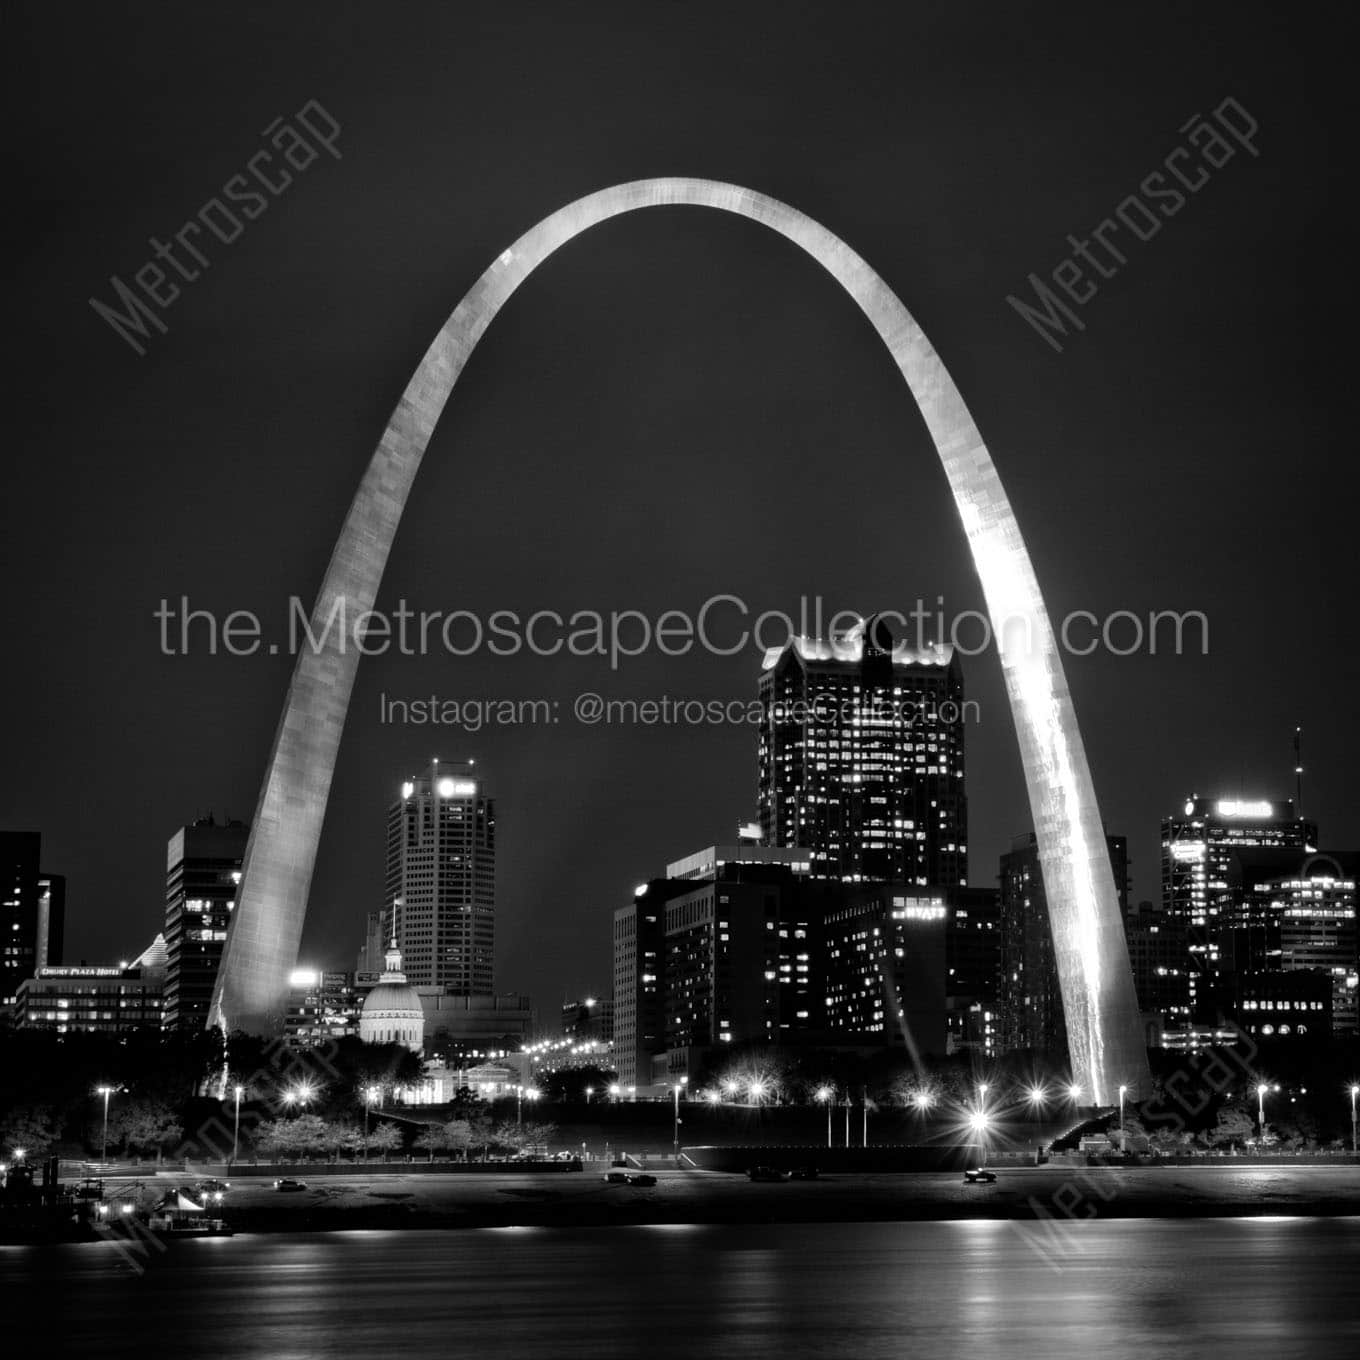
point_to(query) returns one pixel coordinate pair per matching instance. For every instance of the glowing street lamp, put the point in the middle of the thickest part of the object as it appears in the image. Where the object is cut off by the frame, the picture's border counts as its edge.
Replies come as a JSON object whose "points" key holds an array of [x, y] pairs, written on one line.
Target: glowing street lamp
{"points": [[238, 1090], [1037, 1096], [675, 1090], [590, 1091], [731, 1086], [106, 1092], [1074, 1094], [979, 1121], [1123, 1146], [372, 1096], [614, 1091], [758, 1087], [1355, 1091], [1262, 1090], [923, 1100], [825, 1094]]}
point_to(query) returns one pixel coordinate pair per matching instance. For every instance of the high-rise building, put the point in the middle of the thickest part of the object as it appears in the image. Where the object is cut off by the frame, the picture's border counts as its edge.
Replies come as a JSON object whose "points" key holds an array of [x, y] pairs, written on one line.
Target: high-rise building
{"points": [[374, 952], [862, 758], [1161, 967], [740, 952], [886, 968], [639, 941], [202, 871], [1296, 912], [1032, 1014], [1200, 845], [972, 943], [441, 879], [322, 1006], [32, 913], [588, 1021]]}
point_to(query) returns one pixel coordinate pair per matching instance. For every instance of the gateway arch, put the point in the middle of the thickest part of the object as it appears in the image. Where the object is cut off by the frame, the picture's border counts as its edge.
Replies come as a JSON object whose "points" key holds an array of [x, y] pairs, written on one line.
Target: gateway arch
{"points": [[1103, 1026]]}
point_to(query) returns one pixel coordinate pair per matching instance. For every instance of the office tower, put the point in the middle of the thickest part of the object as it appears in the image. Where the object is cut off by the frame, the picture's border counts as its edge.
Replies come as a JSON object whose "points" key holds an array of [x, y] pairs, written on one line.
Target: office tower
{"points": [[96, 998], [1296, 912], [1199, 847], [1161, 969], [441, 879], [202, 871], [322, 1006], [588, 1021], [1031, 1000], [32, 912], [740, 944], [885, 967], [638, 944], [972, 942], [862, 758], [374, 952]]}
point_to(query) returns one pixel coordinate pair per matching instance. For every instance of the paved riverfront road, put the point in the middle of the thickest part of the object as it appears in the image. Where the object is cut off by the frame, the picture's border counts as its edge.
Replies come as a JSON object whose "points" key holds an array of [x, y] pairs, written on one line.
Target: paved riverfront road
{"points": [[582, 1198], [1243, 1289]]}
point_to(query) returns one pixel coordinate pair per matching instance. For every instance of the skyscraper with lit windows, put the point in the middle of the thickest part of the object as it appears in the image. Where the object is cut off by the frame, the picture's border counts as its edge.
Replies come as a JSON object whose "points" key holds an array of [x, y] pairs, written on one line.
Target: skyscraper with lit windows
{"points": [[1203, 849], [440, 893], [862, 758], [202, 871]]}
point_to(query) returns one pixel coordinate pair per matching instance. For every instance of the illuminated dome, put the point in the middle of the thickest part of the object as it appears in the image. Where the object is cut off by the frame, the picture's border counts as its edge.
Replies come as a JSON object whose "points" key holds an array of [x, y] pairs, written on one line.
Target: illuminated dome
{"points": [[392, 1011]]}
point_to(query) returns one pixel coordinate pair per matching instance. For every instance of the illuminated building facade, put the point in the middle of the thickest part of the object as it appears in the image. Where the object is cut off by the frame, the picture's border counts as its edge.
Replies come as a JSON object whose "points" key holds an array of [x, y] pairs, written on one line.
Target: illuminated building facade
{"points": [[740, 957], [857, 765], [323, 1006], [1199, 847], [1033, 1016], [639, 944], [95, 999], [886, 969], [462, 1030], [1158, 950], [1301, 916], [32, 913], [202, 871], [441, 879], [589, 1020], [1103, 1024], [972, 941]]}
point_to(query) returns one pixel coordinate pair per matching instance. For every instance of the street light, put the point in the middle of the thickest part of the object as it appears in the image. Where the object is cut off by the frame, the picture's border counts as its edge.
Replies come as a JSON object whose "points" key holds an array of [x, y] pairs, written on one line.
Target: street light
{"points": [[1037, 1095], [1074, 1093], [236, 1125], [1123, 1146], [978, 1121], [372, 1096], [614, 1091], [923, 1100], [590, 1091], [1355, 1091], [824, 1094], [1262, 1089], [106, 1092], [675, 1090]]}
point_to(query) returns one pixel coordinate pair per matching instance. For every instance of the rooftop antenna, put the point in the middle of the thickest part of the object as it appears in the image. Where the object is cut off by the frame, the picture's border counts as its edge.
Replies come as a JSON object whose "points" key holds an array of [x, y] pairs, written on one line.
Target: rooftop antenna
{"points": [[1298, 772]]}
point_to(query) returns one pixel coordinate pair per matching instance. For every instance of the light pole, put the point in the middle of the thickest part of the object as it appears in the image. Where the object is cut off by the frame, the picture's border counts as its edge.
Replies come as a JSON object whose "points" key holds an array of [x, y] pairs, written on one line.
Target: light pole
{"points": [[864, 1126], [978, 1122], [1262, 1090], [825, 1094], [614, 1091], [519, 1104], [106, 1092], [371, 1094], [1355, 1091], [590, 1091], [675, 1090], [1123, 1146], [236, 1125], [847, 1118]]}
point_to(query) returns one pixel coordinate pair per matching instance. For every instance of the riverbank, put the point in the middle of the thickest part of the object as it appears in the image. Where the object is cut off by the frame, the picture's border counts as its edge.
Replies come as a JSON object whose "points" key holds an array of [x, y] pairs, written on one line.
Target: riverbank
{"points": [[585, 1200]]}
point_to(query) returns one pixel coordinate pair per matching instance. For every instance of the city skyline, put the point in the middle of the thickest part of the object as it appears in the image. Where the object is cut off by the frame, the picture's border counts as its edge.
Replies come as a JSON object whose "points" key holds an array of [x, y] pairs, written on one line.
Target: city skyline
{"points": [[1114, 488]]}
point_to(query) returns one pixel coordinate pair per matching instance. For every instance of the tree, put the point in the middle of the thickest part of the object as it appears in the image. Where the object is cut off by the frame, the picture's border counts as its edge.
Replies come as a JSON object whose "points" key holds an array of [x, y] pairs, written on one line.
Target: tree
{"points": [[1169, 1140], [32, 1129], [343, 1136], [433, 1138], [144, 1124], [386, 1137], [480, 1132], [1234, 1125]]}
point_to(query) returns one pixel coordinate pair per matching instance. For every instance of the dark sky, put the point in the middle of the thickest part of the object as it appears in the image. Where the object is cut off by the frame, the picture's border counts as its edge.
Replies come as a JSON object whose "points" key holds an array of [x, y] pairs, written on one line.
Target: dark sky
{"points": [[679, 404]]}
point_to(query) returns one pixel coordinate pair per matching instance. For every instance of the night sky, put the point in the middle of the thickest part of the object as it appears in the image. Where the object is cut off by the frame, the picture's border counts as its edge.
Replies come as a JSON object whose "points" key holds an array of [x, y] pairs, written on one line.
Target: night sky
{"points": [[679, 404]]}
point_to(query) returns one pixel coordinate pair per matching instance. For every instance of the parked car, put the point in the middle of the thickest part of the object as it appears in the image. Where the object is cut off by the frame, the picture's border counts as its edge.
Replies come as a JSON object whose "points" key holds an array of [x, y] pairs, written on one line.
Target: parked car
{"points": [[211, 1191], [976, 1176], [804, 1173], [615, 1178], [288, 1183], [769, 1173], [642, 1178]]}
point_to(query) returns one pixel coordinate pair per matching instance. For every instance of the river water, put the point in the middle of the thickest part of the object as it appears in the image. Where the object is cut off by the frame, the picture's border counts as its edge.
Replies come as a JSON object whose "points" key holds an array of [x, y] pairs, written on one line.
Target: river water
{"points": [[1237, 1288]]}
